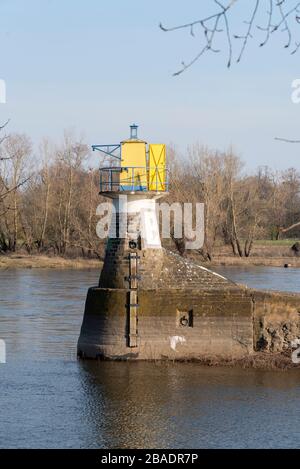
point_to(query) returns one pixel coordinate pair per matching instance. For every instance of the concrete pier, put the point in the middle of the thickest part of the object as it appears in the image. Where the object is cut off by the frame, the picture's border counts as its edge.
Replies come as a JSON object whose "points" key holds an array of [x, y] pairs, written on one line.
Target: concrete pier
{"points": [[187, 312], [154, 304]]}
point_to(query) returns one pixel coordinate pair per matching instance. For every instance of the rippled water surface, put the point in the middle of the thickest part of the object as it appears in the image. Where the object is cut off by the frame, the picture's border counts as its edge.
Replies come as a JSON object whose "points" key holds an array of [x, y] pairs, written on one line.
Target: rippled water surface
{"points": [[266, 278], [48, 399]]}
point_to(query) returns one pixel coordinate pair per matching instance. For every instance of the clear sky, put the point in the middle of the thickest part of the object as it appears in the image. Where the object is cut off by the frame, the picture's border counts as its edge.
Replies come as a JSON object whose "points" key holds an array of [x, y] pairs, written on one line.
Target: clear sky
{"points": [[97, 66]]}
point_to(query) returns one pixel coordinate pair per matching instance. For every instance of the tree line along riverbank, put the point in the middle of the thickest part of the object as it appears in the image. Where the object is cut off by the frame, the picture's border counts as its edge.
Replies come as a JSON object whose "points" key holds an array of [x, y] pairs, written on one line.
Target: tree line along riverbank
{"points": [[273, 254], [14, 261], [49, 198]]}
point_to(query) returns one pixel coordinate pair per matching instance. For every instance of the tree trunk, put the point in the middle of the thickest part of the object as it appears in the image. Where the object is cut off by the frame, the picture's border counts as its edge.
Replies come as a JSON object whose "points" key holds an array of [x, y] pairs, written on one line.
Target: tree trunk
{"points": [[46, 210]]}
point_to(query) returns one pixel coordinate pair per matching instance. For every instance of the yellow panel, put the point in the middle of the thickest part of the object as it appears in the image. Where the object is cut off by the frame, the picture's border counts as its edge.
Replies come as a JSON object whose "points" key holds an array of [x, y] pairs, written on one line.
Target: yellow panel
{"points": [[157, 167], [134, 174]]}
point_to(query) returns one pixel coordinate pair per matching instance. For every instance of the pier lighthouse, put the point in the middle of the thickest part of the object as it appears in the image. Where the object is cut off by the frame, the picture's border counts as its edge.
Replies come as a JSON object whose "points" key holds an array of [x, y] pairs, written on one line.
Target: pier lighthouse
{"points": [[134, 254], [135, 182], [151, 303]]}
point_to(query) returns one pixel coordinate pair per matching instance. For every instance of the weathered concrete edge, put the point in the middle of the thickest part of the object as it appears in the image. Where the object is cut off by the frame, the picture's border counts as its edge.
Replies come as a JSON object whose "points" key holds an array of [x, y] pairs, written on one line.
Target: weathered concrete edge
{"points": [[275, 319]]}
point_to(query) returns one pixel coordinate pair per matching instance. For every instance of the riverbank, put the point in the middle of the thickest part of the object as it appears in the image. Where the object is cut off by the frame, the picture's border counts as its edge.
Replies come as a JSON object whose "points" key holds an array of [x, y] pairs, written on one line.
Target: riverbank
{"points": [[14, 261], [254, 261], [257, 361], [265, 361], [45, 262], [264, 253]]}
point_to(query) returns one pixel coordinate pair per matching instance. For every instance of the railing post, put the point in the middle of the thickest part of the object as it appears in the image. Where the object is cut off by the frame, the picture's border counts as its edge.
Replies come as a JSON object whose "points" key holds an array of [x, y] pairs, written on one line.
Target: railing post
{"points": [[132, 170], [110, 179]]}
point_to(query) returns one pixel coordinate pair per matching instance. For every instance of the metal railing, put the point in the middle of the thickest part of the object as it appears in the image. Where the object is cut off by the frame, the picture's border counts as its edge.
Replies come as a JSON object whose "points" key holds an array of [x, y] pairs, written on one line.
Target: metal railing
{"points": [[134, 179]]}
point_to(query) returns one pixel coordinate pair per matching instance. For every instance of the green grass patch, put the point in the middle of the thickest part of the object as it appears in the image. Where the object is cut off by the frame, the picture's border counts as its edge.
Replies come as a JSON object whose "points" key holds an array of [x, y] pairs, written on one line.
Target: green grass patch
{"points": [[279, 242]]}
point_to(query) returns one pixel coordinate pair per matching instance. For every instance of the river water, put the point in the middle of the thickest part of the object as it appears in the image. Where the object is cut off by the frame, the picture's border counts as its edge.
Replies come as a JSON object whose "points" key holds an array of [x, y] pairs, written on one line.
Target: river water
{"points": [[48, 399]]}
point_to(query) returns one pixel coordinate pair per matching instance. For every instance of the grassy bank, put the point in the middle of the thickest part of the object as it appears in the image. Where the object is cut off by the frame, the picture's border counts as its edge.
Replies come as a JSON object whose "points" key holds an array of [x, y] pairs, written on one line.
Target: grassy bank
{"points": [[254, 261], [267, 361], [44, 262], [264, 253], [257, 360]]}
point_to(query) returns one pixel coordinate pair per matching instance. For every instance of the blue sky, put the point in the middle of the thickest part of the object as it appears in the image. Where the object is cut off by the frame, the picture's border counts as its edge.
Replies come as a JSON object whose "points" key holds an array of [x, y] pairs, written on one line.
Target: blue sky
{"points": [[96, 66]]}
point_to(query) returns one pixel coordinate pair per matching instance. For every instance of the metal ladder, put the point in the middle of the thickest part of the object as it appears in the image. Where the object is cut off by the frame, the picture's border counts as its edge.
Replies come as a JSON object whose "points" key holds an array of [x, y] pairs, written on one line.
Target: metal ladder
{"points": [[133, 305]]}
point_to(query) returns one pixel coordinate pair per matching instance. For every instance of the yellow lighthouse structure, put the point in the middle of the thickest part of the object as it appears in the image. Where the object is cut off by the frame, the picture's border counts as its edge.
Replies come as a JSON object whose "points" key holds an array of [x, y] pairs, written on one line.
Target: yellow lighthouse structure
{"points": [[135, 181], [140, 168]]}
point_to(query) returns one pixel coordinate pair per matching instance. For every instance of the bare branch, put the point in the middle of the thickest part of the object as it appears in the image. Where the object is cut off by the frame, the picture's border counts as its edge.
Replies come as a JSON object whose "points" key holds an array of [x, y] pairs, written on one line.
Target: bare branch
{"points": [[248, 34], [290, 228], [268, 28], [4, 138], [4, 125], [279, 18], [9, 191], [286, 140]]}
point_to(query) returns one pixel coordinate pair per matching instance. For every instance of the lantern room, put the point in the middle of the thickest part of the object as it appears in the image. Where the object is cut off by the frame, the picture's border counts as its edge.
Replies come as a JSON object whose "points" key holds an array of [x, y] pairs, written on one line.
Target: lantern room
{"points": [[133, 166]]}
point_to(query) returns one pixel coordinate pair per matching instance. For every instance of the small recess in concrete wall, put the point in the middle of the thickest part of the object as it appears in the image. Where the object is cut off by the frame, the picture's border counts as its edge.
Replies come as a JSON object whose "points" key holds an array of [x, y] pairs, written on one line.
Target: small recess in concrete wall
{"points": [[185, 318]]}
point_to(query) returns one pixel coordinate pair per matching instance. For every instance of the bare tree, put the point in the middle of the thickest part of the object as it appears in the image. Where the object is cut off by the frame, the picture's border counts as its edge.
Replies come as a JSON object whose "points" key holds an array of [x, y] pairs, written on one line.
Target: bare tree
{"points": [[206, 166], [3, 137], [46, 180], [264, 16], [37, 198], [15, 173], [53, 210]]}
